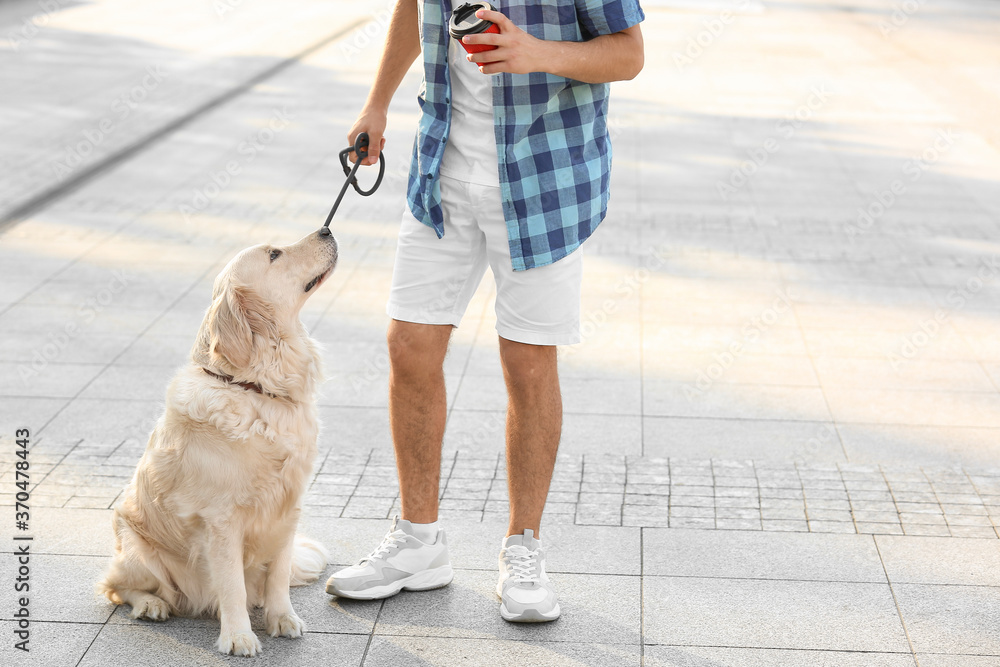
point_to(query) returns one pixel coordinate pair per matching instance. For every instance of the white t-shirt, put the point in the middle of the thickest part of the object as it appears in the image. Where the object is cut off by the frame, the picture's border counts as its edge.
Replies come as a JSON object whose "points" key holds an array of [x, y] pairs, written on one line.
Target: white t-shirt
{"points": [[470, 154]]}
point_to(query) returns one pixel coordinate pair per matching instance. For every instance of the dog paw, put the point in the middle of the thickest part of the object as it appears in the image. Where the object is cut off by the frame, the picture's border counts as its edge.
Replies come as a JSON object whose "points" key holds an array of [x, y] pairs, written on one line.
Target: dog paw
{"points": [[285, 625], [152, 608], [239, 643]]}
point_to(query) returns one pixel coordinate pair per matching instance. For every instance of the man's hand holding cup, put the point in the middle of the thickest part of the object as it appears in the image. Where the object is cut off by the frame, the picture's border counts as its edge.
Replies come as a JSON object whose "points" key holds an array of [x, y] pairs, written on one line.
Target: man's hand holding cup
{"points": [[493, 42]]}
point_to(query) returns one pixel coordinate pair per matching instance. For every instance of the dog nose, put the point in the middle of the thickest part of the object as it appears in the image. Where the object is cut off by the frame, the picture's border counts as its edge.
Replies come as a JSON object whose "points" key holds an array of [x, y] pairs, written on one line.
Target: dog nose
{"points": [[325, 231]]}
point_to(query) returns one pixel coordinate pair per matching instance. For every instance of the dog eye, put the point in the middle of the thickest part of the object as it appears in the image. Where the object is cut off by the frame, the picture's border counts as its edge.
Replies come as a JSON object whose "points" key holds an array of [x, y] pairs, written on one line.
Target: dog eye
{"points": [[275, 254]]}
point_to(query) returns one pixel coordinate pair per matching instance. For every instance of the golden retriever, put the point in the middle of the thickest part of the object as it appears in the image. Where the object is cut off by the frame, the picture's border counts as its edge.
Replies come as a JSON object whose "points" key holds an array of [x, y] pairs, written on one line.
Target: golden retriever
{"points": [[207, 524]]}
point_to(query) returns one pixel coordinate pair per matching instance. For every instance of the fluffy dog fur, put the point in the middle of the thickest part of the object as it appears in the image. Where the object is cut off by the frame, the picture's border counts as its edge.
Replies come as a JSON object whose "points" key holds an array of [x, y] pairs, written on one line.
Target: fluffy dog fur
{"points": [[207, 524]]}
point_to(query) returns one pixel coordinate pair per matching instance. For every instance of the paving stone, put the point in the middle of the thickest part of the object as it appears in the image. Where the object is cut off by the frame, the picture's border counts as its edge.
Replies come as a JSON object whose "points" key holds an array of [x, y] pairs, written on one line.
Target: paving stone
{"points": [[706, 500], [698, 656], [829, 515], [879, 528], [922, 518], [62, 587], [950, 619], [934, 560], [944, 660], [784, 525], [832, 527], [772, 614], [395, 650], [49, 644], [188, 642], [757, 439], [922, 529], [761, 555], [972, 531]]}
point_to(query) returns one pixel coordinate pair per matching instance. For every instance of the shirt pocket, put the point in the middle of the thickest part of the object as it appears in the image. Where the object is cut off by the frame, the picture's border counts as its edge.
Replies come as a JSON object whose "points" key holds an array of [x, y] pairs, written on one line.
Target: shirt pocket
{"points": [[553, 20]]}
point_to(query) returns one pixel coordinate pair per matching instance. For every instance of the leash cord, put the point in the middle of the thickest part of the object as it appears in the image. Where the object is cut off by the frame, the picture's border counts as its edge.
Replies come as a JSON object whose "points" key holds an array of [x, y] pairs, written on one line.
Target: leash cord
{"points": [[360, 148]]}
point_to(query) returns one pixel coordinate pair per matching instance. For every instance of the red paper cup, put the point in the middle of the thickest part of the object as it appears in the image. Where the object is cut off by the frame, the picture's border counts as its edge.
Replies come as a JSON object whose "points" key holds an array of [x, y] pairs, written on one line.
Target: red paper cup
{"points": [[465, 22]]}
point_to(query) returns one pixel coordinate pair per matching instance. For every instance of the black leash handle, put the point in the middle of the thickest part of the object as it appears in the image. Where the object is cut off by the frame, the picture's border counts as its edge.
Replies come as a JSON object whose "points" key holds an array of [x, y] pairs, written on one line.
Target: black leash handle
{"points": [[360, 148]]}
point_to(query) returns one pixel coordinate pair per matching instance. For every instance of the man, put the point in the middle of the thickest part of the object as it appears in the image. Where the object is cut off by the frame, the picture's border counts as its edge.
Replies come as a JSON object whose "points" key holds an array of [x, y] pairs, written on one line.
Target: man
{"points": [[510, 168]]}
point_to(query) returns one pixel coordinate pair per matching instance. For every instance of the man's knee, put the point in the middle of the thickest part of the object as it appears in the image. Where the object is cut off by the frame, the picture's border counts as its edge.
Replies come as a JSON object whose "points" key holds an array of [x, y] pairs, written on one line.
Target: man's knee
{"points": [[524, 363], [417, 347]]}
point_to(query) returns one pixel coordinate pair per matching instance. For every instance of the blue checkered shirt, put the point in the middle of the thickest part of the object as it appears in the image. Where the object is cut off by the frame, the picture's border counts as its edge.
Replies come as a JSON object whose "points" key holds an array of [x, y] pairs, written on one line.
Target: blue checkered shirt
{"points": [[552, 138]]}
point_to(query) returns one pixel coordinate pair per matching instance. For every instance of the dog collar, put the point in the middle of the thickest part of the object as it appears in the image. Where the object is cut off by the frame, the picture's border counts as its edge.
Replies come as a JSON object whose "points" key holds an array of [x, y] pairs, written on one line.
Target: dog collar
{"points": [[250, 386]]}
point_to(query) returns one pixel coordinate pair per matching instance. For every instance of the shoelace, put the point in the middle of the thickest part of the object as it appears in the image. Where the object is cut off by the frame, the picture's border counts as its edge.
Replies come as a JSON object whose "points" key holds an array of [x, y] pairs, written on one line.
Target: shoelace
{"points": [[522, 563], [391, 541]]}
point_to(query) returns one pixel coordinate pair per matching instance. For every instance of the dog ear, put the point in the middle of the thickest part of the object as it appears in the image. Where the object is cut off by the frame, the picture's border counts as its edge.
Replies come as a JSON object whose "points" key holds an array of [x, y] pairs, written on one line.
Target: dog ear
{"points": [[238, 315], [231, 337]]}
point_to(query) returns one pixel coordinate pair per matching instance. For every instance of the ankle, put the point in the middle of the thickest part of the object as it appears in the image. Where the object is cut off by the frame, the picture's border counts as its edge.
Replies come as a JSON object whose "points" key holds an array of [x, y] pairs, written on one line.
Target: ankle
{"points": [[520, 531], [425, 532]]}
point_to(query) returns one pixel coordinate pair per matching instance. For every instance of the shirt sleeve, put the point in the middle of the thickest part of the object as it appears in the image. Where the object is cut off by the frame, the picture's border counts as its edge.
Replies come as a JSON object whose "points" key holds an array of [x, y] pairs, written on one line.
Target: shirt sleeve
{"points": [[604, 17]]}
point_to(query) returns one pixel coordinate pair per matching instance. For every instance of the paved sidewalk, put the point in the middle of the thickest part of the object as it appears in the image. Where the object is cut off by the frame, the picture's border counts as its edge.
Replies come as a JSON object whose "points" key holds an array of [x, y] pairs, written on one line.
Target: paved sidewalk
{"points": [[782, 437]]}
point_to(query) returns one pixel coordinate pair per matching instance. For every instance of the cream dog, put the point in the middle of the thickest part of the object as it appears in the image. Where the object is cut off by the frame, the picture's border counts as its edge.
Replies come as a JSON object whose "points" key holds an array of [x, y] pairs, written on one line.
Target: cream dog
{"points": [[207, 524]]}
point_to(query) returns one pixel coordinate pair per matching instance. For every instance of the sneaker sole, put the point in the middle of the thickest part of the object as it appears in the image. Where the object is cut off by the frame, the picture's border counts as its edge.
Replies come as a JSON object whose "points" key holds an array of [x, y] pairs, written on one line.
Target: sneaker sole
{"points": [[421, 581], [528, 615]]}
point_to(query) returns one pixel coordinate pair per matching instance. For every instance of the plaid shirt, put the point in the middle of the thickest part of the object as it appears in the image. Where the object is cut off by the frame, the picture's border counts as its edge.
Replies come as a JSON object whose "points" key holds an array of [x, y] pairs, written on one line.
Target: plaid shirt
{"points": [[551, 132]]}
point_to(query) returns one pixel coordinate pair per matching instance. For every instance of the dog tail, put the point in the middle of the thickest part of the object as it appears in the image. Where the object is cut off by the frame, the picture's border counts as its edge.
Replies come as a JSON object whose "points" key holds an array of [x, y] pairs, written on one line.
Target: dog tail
{"points": [[308, 561]]}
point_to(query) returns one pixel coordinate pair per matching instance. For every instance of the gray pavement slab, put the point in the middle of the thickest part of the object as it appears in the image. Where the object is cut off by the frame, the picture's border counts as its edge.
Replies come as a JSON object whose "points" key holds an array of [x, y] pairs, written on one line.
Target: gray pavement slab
{"points": [[51, 644], [950, 619], [61, 588], [782, 440], [72, 532], [386, 651], [935, 560], [176, 643], [771, 614], [760, 555], [698, 656], [946, 660]]}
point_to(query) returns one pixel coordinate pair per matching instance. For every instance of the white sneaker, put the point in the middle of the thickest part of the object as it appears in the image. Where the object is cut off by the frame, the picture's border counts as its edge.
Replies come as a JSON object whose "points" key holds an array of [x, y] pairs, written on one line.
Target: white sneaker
{"points": [[526, 596], [401, 562]]}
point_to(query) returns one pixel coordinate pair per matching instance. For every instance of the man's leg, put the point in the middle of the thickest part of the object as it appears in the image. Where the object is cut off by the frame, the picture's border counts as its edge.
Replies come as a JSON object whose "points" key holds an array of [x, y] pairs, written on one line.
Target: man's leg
{"points": [[534, 423], [417, 412], [411, 557]]}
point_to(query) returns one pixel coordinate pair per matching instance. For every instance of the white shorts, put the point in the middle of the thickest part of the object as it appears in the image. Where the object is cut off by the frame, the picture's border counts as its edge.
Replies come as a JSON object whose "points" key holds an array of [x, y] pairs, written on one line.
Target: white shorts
{"points": [[434, 279]]}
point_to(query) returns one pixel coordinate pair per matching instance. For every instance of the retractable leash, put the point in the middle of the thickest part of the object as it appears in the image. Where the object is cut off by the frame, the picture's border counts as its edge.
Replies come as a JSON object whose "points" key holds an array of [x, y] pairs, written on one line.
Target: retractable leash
{"points": [[360, 147]]}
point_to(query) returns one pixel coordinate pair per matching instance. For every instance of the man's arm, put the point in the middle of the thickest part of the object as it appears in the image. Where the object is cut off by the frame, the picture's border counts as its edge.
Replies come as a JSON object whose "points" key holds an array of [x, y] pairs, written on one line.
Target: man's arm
{"points": [[605, 58], [402, 46]]}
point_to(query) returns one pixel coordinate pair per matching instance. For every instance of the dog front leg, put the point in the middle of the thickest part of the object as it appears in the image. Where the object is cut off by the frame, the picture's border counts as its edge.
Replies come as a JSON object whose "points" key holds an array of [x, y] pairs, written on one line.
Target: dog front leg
{"points": [[226, 563], [281, 618]]}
